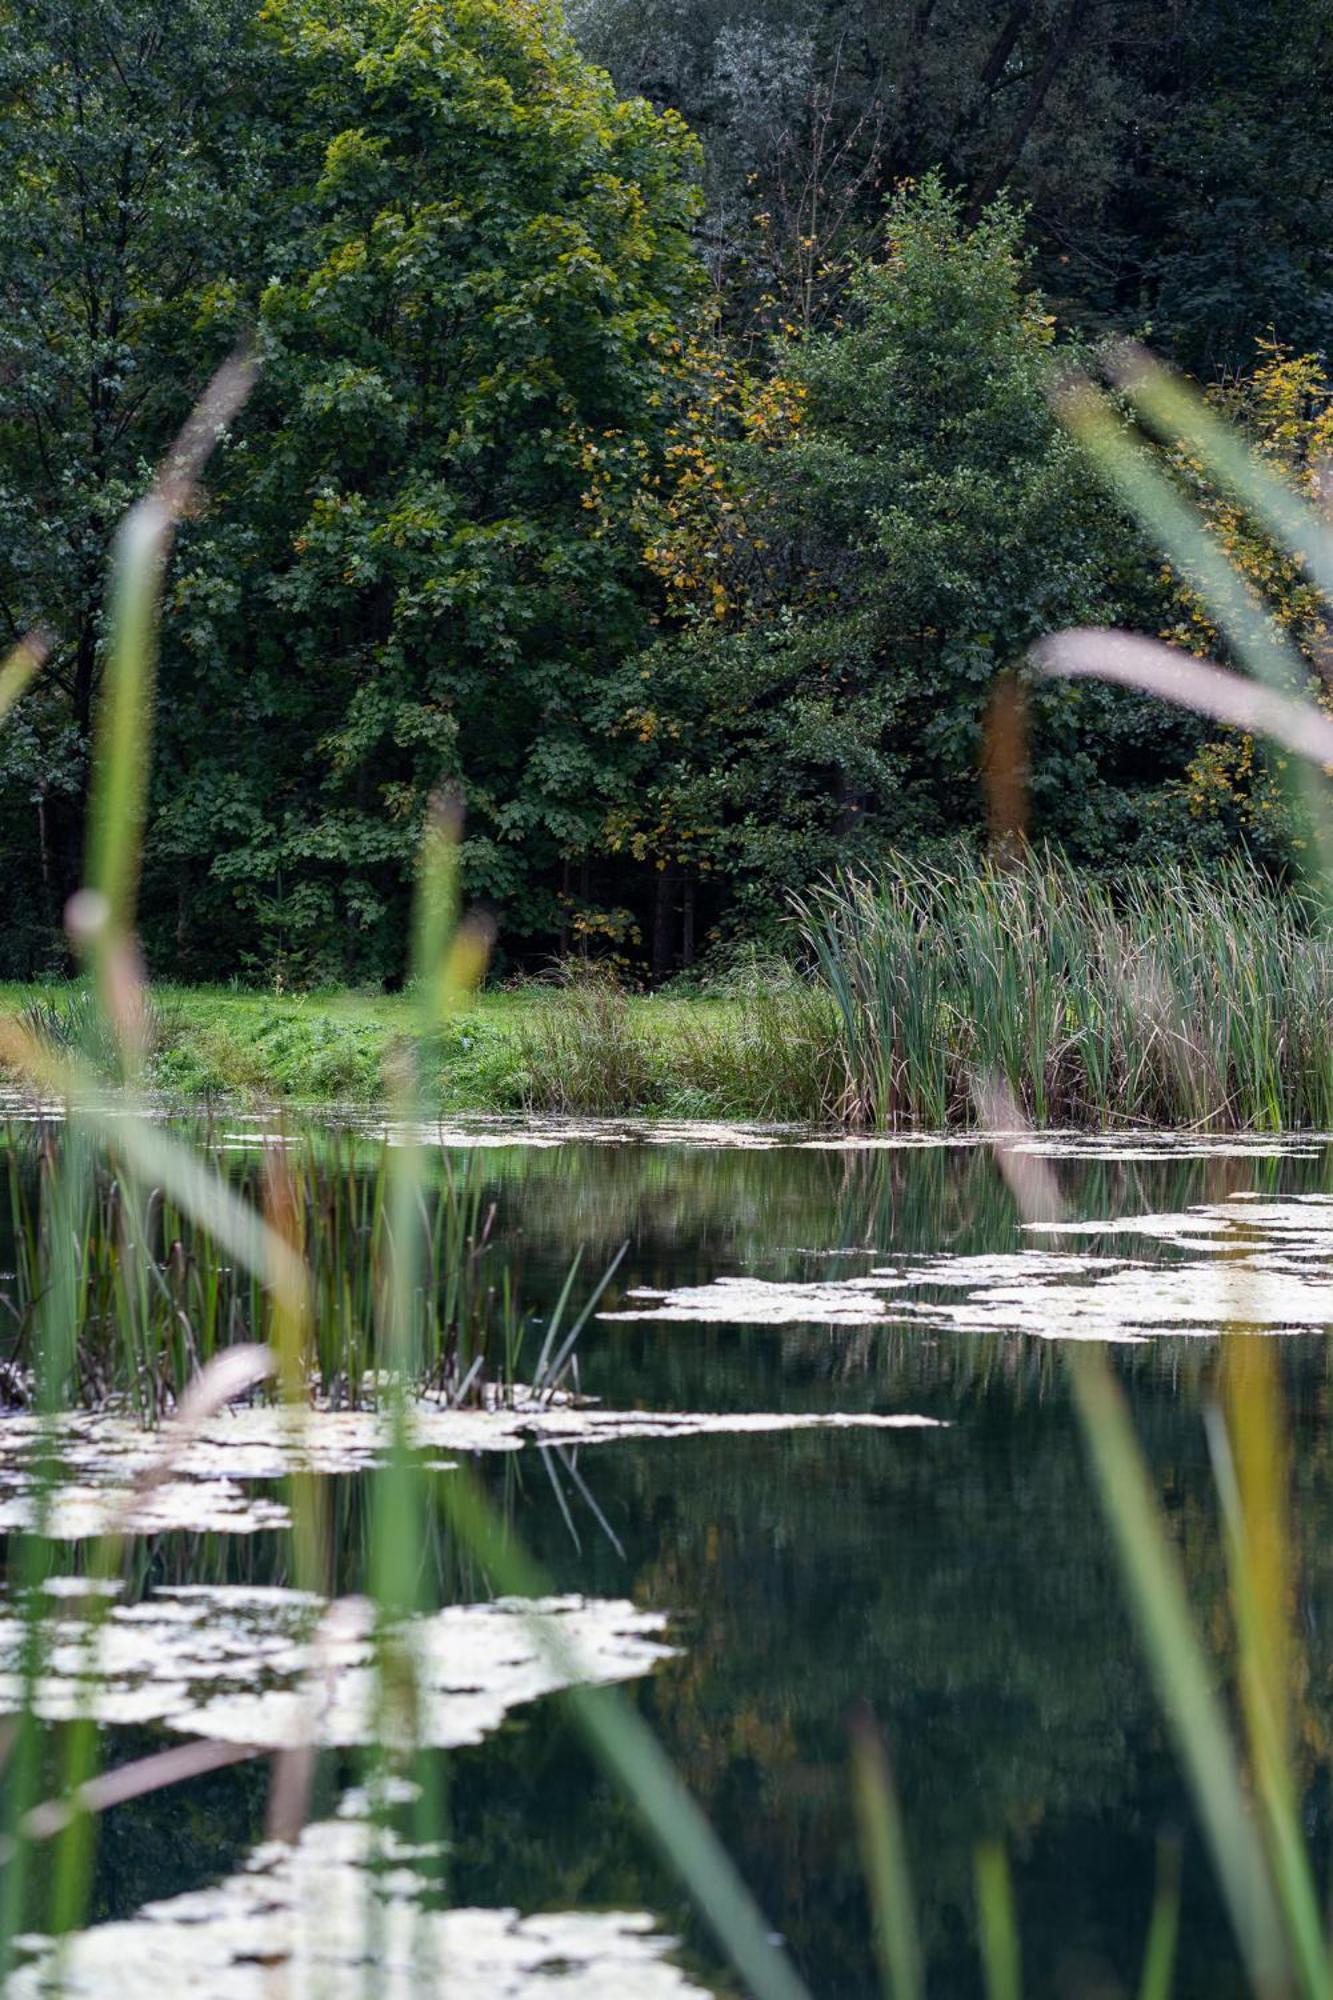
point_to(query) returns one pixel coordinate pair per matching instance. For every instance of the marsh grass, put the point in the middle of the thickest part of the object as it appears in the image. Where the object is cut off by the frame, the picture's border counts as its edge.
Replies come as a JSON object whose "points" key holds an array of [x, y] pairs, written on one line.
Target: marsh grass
{"points": [[156, 1295], [767, 1052], [1167, 998]]}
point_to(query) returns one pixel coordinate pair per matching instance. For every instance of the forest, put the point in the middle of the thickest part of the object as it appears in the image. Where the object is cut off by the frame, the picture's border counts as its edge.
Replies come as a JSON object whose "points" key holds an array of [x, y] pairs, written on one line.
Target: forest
{"points": [[656, 438]]}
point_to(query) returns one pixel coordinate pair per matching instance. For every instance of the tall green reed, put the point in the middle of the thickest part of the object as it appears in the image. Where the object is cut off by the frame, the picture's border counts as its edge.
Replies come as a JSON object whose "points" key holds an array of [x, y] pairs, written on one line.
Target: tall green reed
{"points": [[1173, 997], [1254, 1027], [160, 1295]]}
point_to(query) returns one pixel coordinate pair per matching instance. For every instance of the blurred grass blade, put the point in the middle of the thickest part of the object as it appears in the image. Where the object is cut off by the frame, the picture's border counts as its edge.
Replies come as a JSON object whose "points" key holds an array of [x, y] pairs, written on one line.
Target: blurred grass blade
{"points": [[1159, 1957], [1184, 1681], [1157, 1596], [1258, 1514], [1264, 1703], [1178, 413], [884, 1862], [997, 1924], [1200, 685], [138, 1779], [123, 745], [1176, 528], [20, 668], [156, 1157]]}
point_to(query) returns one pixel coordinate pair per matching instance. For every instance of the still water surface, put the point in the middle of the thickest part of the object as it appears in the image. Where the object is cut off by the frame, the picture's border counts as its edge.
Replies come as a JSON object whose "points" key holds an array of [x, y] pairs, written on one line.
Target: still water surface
{"points": [[956, 1576]]}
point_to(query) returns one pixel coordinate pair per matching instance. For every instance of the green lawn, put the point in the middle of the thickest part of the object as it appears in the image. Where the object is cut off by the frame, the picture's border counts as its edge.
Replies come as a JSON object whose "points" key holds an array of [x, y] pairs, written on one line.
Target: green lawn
{"points": [[545, 1048]]}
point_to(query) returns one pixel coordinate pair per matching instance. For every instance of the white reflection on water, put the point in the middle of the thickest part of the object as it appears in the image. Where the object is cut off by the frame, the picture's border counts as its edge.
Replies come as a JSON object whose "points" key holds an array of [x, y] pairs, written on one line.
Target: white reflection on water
{"points": [[245, 1664], [1250, 1261], [294, 1921], [103, 1454], [287, 1124]]}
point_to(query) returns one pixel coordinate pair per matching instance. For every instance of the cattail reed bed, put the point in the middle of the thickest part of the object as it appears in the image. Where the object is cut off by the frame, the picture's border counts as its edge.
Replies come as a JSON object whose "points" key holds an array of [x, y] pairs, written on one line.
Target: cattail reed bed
{"points": [[1163, 998], [155, 1298]]}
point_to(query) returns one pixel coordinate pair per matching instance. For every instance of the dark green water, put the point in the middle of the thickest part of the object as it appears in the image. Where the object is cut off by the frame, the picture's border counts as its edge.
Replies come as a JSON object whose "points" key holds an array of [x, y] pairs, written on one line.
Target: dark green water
{"points": [[957, 1579]]}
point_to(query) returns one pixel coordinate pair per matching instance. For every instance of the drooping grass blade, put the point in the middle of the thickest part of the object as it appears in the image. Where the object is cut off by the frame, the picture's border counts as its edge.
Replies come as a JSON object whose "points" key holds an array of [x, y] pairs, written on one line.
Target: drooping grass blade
{"points": [[997, 1924], [884, 1862]]}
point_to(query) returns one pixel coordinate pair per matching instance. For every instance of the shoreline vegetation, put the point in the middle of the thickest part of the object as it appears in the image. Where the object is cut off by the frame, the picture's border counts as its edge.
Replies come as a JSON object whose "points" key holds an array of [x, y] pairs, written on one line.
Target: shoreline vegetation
{"points": [[1170, 998]]}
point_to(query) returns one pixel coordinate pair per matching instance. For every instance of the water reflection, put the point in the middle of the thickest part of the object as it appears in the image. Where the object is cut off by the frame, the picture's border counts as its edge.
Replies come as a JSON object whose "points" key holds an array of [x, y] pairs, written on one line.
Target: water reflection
{"points": [[958, 1578]]}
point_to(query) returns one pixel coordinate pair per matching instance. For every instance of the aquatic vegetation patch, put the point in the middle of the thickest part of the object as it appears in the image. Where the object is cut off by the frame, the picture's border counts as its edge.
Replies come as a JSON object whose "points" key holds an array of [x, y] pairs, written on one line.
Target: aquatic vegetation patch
{"points": [[1167, 1146], [105, 1456], [274, 1667], [1276, 1276], [294, 1919]]}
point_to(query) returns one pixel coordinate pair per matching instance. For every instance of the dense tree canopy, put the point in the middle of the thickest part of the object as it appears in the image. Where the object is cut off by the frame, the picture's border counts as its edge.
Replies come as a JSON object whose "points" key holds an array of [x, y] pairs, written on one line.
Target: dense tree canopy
{"points": [[696, 592], [1175, 159], [135, 150], [466, 262], [902, 530], [419, 567]]}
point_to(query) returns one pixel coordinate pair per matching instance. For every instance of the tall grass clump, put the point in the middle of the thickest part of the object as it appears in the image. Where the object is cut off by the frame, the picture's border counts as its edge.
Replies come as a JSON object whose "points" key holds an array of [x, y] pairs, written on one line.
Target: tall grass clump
{"points": [[584, 1052], [154, 1302], [763, 1049], [1169, 997]]}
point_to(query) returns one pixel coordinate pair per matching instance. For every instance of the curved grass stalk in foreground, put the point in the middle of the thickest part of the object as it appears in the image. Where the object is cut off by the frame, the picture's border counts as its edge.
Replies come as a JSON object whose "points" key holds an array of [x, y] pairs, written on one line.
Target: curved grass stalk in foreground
{"points": [[1249, 1805], [1155, 1584]]}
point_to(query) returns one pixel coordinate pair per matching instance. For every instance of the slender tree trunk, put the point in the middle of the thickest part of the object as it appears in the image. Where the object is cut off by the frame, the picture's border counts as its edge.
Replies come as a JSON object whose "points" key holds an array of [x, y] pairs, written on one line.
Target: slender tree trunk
{"points": [[44, 850], [664, 911], [183, 908], [1064, 37], [562, 938]]}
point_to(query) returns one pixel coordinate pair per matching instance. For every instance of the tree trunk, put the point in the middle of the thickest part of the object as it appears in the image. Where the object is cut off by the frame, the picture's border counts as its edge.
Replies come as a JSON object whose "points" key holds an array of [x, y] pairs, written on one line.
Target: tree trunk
{"points": [[1063, 39], [664, 912]]}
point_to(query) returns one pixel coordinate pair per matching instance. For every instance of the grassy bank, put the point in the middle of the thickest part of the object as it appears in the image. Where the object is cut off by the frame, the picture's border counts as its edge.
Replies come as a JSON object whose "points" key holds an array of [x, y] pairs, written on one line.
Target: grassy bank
{"points": [[1163, 999], [584, 1049]]}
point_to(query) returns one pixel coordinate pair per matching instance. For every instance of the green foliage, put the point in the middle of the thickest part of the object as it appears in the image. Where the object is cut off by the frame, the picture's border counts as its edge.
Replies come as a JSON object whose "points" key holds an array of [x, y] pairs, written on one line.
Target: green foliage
{"points": [[1234, 206], [923, 523], [499, 449], [466, 261], [419, 566], [136, 149], [1174, 159]]}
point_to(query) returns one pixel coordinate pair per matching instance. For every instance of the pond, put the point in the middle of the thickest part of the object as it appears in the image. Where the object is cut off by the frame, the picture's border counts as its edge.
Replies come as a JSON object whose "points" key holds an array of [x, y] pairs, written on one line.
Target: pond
{"points": [[747, 1583]]}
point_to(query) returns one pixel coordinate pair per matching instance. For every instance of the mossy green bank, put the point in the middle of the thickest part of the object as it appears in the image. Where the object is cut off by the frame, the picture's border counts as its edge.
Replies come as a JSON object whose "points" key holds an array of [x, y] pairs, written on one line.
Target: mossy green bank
{"points": [[581, 1049]]}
